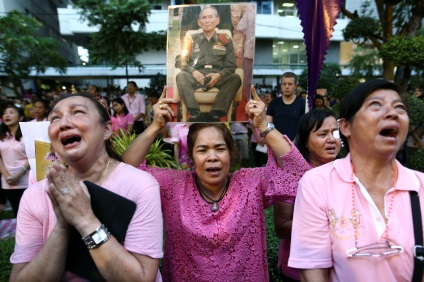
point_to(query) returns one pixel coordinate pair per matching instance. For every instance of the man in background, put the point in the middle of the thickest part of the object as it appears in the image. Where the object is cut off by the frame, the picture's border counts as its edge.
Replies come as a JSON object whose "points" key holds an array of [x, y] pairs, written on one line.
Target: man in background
{"points": [[285, 111]]}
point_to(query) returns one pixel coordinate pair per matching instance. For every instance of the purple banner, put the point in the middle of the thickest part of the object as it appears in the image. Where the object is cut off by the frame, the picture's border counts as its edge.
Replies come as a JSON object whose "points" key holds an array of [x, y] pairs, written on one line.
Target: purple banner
{"points": [[318, 18]]}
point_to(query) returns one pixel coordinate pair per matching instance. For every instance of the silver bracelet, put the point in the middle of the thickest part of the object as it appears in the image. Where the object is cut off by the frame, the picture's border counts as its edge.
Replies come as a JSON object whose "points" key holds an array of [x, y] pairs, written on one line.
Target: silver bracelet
{"points": [[97, 238]]}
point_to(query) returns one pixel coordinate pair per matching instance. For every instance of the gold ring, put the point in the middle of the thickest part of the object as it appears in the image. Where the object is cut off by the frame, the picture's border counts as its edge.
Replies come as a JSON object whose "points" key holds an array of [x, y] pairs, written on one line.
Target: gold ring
{"points": [[254, 102], [160, 102]]}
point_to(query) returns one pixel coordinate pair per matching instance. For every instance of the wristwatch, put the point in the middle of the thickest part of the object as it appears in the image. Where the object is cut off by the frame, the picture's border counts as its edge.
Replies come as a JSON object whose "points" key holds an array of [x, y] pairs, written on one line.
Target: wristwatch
{"points": [[269, 126], [97, 237]]}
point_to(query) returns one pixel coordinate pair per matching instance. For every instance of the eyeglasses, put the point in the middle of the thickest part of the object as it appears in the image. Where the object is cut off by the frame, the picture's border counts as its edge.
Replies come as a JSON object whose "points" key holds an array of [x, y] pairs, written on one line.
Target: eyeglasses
{"points": [[374, 250]]}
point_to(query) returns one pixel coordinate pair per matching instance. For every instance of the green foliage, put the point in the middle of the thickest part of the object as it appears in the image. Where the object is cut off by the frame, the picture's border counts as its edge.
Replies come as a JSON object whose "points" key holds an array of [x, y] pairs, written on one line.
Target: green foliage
{"points": [[6, 249], [365, 62], [122, 141], [22, 49], [415, 108], [392, 17], [417, 160], [329, 76], [122, 33], [272, 242], [157, 82], [404, 51], [160, 157], [343, 86], [362, 28], [157, 156]]}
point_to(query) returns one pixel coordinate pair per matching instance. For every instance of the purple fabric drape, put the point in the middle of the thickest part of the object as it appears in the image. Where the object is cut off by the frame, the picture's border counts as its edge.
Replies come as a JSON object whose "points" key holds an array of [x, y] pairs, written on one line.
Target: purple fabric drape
{"points": [[318, 18]]}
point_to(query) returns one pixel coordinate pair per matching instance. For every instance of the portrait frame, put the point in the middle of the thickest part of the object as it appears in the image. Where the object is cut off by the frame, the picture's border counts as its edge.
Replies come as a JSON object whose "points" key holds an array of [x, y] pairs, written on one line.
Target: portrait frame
{"points": [[186, 52]]}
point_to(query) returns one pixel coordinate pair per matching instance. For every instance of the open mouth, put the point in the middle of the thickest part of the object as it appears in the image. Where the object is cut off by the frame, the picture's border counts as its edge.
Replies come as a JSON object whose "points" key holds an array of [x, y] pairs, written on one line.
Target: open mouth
{"points": [[331, 149], [213, 169], [389, 132], [70, 140]]}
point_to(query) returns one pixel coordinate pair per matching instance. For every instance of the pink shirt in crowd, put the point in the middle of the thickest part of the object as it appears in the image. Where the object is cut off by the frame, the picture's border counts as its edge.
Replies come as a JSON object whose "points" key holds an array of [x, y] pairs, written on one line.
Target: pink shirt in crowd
{"points": [[36, 217], [323, 224], [122, 122], [14, 157], [135, 105], [230, 244]]}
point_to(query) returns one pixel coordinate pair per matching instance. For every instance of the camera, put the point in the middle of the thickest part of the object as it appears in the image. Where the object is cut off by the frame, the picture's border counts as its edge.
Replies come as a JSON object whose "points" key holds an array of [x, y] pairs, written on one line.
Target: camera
{"points": [[206, 81]]}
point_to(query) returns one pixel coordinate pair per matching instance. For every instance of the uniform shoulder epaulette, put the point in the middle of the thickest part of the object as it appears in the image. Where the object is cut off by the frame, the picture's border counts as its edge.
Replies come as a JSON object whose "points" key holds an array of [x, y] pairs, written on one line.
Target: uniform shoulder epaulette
{"points": [[224, 38]]}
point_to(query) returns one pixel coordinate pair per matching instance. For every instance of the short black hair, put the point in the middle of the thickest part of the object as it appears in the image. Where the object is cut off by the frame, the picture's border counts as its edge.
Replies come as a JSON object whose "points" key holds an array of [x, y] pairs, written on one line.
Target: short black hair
{"points": [[353, 101], [226, 134], [311, 121]]}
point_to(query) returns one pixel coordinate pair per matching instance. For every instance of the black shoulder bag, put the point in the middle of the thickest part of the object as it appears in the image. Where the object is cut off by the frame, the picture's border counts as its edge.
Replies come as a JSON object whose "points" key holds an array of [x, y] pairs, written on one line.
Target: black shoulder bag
{"points": [[418, 234]]}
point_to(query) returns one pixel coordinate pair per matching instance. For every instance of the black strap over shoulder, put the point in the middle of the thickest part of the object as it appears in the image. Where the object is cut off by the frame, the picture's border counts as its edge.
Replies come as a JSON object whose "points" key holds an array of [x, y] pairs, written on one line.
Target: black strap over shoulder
{"points": [[418, 234]]}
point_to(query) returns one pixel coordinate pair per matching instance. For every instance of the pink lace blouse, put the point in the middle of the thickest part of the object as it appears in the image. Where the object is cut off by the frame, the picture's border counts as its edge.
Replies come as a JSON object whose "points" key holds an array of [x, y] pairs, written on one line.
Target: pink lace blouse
{"points": [[229, 244]]}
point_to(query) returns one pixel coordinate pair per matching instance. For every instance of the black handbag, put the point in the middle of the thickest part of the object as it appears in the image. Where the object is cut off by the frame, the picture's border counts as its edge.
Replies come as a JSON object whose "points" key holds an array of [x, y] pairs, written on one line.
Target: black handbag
{"points": [[418, 234]]}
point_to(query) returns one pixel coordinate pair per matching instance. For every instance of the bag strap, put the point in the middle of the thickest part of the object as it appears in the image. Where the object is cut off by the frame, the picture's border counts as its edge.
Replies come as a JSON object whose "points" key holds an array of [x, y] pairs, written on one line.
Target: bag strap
{"points": [[418, 234]]}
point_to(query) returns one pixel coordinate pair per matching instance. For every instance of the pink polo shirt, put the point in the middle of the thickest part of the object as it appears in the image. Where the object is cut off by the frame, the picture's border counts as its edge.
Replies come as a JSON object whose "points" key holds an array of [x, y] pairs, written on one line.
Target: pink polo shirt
{"points": [[323, 224], [36, 217], [13, 155]]}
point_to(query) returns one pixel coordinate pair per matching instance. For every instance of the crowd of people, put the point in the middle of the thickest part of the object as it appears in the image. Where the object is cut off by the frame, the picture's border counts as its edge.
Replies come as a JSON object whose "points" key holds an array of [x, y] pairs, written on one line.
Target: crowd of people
{"points": [[355, 207]]}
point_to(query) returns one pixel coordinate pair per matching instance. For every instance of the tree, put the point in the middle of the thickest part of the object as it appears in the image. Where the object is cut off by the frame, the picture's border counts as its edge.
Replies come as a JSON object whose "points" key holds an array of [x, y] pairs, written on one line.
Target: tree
{"points": [[22, 49], [122, 34], [329, 76], [365, 62], [400, 18]]}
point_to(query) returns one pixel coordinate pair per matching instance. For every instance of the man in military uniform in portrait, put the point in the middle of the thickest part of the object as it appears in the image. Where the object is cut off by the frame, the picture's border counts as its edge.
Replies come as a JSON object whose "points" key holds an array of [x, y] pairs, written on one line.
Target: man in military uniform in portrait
{"points": [[207, 60]]}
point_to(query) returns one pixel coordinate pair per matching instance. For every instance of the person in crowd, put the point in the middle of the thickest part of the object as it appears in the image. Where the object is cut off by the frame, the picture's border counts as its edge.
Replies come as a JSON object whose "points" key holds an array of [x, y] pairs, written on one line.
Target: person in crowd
{"points": [[258, 146], [318, 141], [179, 138], [79, 131], [319, 102], [122, 118], [40, 110], [238, 37], [136, 106], [153, 99], [418, 92], [28, 107], [94, 92], [268, 98], [14, 164], [285, 112], [246, 25], [239, 132], [303, 94], [214, 219], [357, 210]]}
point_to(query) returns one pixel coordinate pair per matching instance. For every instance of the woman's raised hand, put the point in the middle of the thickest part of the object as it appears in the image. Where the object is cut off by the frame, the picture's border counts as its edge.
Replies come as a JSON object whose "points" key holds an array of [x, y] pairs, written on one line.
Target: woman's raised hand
{"points": [[162, 111], [255, 110]]}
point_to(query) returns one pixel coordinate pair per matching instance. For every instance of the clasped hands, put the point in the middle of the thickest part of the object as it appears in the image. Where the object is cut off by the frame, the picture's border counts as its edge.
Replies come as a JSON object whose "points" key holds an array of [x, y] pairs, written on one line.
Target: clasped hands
{"points": [[200, 78], [70, 198]]}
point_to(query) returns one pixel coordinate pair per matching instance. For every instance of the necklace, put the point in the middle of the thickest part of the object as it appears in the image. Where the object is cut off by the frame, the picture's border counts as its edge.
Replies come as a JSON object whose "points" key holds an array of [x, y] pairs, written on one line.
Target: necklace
{"points": [[215, 206], [355, 212], [104, 172], [131, 101]]}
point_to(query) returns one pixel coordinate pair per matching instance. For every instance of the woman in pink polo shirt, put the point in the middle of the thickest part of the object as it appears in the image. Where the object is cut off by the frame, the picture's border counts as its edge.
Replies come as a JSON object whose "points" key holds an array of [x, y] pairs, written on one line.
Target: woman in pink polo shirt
{"points": [[352, 217], [60, 235], [14, 164], [318, 141]]}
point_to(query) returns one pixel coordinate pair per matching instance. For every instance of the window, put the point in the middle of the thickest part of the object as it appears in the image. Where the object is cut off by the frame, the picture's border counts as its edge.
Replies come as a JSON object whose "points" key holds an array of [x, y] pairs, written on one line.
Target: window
{"points": [[286, 8], [289, 54], [155, 5], [264, 7]]}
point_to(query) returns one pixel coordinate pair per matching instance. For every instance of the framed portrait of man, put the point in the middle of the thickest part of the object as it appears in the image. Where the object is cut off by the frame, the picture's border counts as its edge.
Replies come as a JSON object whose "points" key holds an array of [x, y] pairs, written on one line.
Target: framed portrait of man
{"points": [[210, 52]]}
